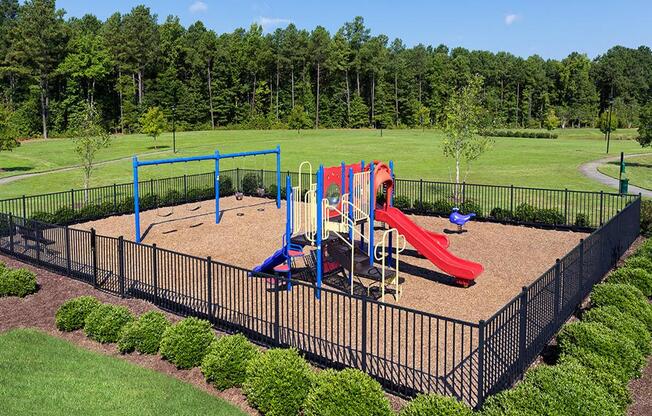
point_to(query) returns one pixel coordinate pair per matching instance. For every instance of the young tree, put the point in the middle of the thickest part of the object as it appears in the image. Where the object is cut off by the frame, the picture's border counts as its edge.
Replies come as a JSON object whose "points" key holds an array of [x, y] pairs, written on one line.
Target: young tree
{"points": [[8, 139], [645, 126], [153, 123], [359, 116], [604, 122], [298, 118], [551, 121], [89, 137], [422, 116], [465, 121]]}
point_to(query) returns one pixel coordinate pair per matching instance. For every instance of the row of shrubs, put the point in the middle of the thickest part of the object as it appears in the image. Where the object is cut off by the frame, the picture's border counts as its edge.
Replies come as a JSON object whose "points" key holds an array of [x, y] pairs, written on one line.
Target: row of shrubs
{"points": [[277, 382], [16, 282], [521, 134], [598, 355]]}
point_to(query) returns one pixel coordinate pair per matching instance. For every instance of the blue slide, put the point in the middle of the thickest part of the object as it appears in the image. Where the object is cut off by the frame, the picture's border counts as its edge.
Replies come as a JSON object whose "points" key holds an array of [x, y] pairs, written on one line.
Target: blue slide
{"points": [[274, 260]]}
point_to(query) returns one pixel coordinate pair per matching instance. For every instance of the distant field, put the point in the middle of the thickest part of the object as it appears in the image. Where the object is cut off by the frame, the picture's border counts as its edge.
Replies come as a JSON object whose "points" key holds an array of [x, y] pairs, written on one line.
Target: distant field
{"points": [[638, 170], [528, 162]]}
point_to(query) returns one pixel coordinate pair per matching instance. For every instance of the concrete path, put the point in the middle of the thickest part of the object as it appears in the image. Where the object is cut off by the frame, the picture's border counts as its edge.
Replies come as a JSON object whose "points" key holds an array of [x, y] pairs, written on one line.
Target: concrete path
{"points": [[590, 170]]}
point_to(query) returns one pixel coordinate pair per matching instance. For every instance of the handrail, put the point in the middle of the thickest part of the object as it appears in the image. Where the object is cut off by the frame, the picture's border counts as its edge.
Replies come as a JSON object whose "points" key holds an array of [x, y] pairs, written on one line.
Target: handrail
{"points": [[310, 214], [400, 244], [349, 222], [300, 173]]}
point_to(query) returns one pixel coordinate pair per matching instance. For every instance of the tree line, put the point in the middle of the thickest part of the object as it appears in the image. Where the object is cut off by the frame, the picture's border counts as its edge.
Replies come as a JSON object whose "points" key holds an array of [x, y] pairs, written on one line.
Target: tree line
{"points": [[52, 68]]}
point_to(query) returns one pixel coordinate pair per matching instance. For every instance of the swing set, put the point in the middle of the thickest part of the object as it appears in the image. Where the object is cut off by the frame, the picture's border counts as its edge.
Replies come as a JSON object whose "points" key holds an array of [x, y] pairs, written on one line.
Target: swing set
{"points": [[216, 157]]}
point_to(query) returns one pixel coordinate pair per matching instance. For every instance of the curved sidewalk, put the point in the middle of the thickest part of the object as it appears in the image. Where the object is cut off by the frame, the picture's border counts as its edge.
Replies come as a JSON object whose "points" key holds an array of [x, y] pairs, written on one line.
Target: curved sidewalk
{"points": [[590, 170]]}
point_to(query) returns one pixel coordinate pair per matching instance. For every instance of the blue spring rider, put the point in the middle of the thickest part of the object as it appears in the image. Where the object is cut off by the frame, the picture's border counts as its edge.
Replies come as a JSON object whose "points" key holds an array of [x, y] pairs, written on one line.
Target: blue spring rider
{"points": [[460, 219]]}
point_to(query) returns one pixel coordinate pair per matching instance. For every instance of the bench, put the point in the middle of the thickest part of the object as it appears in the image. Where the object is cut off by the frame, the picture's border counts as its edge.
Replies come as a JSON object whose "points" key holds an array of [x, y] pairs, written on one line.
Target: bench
{"points": [[34, 234]]}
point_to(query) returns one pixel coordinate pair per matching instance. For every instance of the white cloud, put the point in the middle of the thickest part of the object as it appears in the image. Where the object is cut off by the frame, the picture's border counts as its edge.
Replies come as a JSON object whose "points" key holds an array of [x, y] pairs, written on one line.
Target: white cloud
{"points": [[198, 7], [511, 18], [272, 22]]}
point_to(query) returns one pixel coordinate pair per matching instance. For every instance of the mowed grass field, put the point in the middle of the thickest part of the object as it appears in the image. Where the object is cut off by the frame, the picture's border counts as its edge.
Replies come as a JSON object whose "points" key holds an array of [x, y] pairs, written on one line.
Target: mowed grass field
{"points": [[43, 375], [638, 170], [416, 153]]}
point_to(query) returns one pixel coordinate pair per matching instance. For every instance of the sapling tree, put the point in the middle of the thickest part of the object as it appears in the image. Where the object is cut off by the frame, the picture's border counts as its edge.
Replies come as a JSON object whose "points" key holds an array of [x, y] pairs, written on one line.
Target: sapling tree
{"points": [[298, 118], [645, 126], [464, 123], [153, 123], [89, 137], [607, 122], [422, 116], [8, 139], [551, 121]]}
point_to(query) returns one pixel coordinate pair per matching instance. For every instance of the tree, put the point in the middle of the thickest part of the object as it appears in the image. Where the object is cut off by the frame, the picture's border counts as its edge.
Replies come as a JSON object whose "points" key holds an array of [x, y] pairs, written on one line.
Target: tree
{"points": [[551, 121], [645, 126], [298, 118], [319, 47], [603, 122], [8, 139], [89, 137], [465, 121], [422, 116], [153, 123], [359, 116]]}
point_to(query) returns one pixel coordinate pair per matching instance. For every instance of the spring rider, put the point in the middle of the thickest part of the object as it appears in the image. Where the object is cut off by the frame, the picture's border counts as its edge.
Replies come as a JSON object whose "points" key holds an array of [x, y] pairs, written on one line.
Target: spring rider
{"points": [[459, 219]]}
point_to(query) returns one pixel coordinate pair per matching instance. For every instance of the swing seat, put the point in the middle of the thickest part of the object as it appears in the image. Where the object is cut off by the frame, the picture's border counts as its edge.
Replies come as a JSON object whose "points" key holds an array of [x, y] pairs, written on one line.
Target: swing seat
{"points": [[239, 196]]}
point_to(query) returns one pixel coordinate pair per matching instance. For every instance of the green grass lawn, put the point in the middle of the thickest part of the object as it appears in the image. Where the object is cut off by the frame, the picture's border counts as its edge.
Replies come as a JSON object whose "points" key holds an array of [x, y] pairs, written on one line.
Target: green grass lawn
{"points": [[527, 162], [43, 375], [638, 170]]}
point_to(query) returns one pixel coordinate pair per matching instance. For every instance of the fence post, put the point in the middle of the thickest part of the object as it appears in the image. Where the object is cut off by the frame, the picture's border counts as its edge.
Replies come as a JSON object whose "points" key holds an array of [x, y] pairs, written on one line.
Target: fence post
{"points": [[11, 233], [24, 208], [115, 198], [511, 199], [72, 200], [39, 232], [566, 206], [558, 277], [582, 294], [601, 208], [421, 194], [155, 272], [463, 191], [185, 188], [121, 266], [94, 255], [237, 179], [68, 259], [481, 372], [522, 330], [209, 288], [277, 312], [364, 334]]}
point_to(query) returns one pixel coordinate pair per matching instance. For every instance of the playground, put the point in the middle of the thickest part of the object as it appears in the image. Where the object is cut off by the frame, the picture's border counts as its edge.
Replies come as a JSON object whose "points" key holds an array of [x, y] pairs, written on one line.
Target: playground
{"points": [[250, 229]]}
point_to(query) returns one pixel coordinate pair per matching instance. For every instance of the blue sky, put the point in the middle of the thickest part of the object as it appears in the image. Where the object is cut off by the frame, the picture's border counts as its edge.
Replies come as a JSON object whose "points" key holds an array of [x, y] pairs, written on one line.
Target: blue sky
{"points": [[550, 28]]}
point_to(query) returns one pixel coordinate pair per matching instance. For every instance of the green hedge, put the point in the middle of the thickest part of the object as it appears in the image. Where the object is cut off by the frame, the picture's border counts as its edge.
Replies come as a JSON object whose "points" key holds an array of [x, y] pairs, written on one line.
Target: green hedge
{"points": [[435, 405], [186, 343], [346, 392], [646, 218], [402, 202], [225, 364], [72, 314], [645, 250], [251, 182], [637, 277], [521, 134], [17, 282], [626, 298], [501, 214], [278, 382], [577, 338], [145, 334], [622, 323], [104, 324], [582, 220], [639, 262]]}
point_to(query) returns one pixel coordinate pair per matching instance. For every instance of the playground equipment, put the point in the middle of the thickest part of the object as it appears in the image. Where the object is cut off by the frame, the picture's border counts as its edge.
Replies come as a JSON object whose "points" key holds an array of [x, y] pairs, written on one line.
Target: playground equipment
{"points": [[460, 219], [329, 216], [217, 156]]}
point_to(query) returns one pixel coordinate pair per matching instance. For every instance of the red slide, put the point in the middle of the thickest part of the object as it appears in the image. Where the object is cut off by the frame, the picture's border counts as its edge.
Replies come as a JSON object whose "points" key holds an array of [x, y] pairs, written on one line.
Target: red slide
{"points": [[428, 244]]}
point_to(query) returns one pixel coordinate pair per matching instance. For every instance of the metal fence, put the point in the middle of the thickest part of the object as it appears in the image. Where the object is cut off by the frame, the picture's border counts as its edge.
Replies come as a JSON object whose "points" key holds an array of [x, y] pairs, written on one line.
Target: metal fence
{"points": [[407, 350]]}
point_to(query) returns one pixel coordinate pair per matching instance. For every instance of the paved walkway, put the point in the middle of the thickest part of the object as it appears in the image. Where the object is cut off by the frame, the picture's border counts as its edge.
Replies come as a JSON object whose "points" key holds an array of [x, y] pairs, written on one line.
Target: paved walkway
{"points": [[590, 170]]}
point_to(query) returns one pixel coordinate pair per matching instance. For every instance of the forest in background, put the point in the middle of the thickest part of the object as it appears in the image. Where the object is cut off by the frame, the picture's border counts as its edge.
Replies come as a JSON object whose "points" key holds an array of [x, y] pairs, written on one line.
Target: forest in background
{"points": [[53, 67]]}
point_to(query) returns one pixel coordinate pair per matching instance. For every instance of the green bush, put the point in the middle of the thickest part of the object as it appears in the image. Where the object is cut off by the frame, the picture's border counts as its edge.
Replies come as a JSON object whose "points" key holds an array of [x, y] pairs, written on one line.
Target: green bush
{"points": [[145, 334], [582, 220], [434, 405], [646, 218], [197, 194], [278, 382], [226, 186], [645, 250], [173, 197], [72, 314], [104, 324], [346, 392], [639, 262], [402, 202], [564, 389], [251, 182], [525, 213], [623, 324], [521, 134], [225, 364], [468, 207], [41, 216], [637, 277], [64, 216], [17, 282], [185, 343], [549, 216], [501, 214], [441, 206], [149, 201], [271, 192], [576, 338], [626, 298]]}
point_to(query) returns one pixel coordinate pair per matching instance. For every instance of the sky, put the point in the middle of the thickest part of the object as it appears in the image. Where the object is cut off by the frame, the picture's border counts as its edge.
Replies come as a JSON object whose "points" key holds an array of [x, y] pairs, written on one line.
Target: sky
{"points": [[549, 28]]}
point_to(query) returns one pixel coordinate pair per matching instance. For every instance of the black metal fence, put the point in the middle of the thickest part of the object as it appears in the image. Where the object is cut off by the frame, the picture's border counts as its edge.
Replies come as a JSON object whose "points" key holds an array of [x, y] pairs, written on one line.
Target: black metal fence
{"points": [[407, 350]]}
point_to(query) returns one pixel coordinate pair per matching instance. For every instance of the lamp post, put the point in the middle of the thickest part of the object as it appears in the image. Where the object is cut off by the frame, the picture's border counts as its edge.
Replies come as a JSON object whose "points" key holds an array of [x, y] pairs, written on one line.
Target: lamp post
{"points": [[611, 105], [174, 128]]}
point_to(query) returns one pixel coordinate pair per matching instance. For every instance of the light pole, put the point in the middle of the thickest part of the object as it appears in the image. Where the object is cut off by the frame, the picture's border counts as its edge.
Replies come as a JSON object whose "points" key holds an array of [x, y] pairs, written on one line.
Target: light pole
{"points": [[174, 128], [611, 105]]}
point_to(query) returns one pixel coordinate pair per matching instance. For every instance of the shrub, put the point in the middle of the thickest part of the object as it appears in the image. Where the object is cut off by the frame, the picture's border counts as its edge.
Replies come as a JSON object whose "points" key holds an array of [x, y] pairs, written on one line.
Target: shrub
{"points": [[637, 277], [549, 216], [563, 389], [226, 186], [626, 298], [41, 216], [646, 218], [582, 220], [469, 206], [251, 182], [271, 191], [149, 201], [578, 337], [17, 282], [346, 392], [106, 321], [185, 343], [433, 404], [225, 364], [623, 324], [197, 194], [72, 314], [501, 214], [639, 262], [440, 206], [525, 213], [64, 216], [645, 250], [277, 382], [145, 334], [402, 202], [173, 197]]}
